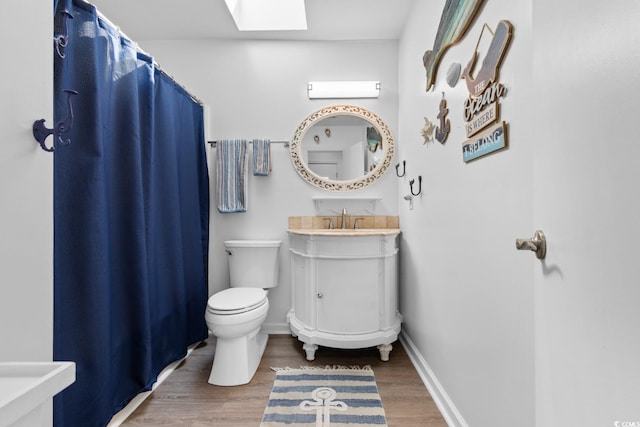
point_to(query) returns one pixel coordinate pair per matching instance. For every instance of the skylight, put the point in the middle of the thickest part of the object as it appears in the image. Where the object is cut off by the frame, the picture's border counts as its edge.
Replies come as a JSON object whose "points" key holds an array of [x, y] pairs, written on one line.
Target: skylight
{"points": [[268, 15]]}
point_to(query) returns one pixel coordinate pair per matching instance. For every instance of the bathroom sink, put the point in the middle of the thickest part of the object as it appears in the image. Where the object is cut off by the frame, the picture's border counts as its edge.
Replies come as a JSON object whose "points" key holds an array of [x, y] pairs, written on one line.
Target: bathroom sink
{"points": [[345, 232], [25, 386]]}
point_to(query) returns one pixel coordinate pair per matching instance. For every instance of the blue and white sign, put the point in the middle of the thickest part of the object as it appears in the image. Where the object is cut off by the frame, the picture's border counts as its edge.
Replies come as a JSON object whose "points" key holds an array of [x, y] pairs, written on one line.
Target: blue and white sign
{"points": [[493, 139]]}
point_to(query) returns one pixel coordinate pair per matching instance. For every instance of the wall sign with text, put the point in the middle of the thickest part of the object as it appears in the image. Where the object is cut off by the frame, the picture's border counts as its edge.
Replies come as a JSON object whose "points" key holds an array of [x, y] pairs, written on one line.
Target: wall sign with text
{"points": [[483, 127]]}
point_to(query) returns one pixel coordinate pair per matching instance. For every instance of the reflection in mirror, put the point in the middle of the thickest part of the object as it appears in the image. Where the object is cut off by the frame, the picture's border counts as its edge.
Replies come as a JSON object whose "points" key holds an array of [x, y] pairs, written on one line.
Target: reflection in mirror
{"points": [[342, 148]]}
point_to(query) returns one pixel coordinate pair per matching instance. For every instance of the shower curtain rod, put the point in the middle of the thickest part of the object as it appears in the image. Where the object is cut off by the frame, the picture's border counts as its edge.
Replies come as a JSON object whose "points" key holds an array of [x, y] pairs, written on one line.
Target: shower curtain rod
{"points": [[286, 143], [155, 64]]}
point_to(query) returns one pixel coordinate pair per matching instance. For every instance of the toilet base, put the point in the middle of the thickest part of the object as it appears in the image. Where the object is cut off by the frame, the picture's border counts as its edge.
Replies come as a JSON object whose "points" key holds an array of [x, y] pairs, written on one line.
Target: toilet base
{"points": [[236, 359]]}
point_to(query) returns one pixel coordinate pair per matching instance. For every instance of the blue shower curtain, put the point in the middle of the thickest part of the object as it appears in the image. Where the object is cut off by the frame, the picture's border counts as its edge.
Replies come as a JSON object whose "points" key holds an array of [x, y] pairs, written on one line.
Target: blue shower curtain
{"points": [[131, 214]]}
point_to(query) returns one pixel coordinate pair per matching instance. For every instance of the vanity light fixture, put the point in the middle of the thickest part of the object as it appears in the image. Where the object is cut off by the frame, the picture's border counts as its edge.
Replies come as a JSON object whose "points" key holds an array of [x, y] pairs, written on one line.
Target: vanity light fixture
{"points": [[268, 15], [343, 89]]}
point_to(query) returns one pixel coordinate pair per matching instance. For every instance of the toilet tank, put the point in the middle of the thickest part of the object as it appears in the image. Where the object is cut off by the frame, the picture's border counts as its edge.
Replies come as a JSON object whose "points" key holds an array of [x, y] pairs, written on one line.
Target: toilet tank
{"points": [[253, 263]]}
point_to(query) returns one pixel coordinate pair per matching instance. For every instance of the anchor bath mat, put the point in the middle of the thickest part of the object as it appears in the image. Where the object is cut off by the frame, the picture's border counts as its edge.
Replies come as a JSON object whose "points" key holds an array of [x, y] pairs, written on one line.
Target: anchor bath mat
{"points": [[324, 397]]}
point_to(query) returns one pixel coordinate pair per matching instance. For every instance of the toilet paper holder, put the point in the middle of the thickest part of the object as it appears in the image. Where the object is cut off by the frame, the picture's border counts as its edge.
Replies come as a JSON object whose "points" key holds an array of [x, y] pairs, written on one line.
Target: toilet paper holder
{"points": [[537, 244]]}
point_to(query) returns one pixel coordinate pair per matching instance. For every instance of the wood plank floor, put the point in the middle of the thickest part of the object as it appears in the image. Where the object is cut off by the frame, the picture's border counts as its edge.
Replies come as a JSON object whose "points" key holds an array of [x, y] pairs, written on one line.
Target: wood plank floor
{"points": [[186, 399]]}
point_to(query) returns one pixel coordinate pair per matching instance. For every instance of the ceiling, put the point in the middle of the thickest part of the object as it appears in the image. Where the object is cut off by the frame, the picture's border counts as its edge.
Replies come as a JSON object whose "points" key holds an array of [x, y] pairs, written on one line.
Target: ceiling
{"points": [[210, 19]]}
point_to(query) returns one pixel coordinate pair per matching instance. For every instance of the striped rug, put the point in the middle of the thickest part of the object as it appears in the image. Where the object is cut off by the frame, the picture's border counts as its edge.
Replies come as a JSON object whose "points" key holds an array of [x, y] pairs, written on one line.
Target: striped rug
{"points": [[324, 397]]}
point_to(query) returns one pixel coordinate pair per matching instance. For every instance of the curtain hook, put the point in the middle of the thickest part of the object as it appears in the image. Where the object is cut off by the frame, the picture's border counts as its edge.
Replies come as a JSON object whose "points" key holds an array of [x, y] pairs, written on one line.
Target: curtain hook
{"points": [[41, 132], [61, 40]]}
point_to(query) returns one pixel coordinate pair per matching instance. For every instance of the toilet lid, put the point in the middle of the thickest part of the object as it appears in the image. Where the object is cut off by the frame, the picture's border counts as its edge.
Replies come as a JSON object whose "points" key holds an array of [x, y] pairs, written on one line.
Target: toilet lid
{"points": [[235, 300]]}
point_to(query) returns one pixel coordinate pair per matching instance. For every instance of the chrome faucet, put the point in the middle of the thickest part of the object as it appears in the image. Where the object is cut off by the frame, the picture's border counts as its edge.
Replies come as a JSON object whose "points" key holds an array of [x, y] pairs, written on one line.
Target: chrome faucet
{"points": [[343, 222]]}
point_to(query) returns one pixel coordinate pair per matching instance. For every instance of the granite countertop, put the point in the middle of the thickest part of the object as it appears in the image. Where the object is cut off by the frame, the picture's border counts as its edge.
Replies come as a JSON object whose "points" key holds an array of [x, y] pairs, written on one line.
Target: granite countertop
{"points": [[346, 232]]}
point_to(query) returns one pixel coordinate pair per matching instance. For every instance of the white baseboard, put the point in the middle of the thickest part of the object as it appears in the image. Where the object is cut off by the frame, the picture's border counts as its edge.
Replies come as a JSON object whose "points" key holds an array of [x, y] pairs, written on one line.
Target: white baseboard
{"points": [[442, 400], [276, 328]]}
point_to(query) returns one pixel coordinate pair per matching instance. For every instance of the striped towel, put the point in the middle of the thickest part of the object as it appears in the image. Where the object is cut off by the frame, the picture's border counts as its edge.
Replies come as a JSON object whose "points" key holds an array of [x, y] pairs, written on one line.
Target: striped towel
{"points": [[261, 157], [231, 174]]}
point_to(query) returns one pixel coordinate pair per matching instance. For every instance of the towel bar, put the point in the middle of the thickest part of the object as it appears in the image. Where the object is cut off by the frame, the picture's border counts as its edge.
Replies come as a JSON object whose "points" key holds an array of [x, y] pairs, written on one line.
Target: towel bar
{"points": [[286, 143]]}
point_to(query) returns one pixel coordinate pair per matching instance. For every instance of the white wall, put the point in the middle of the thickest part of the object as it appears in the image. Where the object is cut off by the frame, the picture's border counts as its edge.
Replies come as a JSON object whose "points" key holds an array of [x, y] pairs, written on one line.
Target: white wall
{"points": [[26, 184], [26, 187], [466, 293], [258, 89]]}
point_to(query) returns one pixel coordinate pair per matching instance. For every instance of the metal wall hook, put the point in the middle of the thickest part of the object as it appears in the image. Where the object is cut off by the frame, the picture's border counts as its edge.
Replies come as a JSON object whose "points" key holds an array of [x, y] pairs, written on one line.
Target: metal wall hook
{"points": [[419, 185], [41, 132], [409, 197], [61, 40], [404, 168], [537, 244]]}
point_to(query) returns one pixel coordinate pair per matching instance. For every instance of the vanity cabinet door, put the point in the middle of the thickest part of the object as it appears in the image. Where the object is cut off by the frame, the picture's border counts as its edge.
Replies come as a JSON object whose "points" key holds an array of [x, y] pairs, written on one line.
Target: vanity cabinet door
{"points": [[347, 296]]}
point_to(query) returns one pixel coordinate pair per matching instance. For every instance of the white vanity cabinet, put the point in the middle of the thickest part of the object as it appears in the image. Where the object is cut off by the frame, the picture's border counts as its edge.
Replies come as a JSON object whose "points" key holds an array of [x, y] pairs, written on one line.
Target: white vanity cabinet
{"points": [[344, 289]]}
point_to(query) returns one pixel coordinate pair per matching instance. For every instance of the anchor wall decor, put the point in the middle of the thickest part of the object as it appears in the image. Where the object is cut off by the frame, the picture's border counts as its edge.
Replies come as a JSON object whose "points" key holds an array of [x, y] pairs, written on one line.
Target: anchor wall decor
{"points": [[442, 131]]}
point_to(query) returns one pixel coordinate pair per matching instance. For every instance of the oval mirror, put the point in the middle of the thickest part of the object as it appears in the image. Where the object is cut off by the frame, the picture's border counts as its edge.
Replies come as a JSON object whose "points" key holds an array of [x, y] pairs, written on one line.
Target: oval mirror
{"points": [[342, 148]]}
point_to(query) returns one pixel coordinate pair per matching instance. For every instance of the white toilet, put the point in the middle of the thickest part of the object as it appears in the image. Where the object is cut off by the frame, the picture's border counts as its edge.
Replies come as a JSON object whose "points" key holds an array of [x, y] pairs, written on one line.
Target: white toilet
{"points": [[235, 315]]}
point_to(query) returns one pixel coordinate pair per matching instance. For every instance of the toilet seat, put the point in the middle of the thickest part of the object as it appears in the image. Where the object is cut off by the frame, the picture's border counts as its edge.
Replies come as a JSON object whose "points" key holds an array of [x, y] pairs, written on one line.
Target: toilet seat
{"points": [[236, 300]]}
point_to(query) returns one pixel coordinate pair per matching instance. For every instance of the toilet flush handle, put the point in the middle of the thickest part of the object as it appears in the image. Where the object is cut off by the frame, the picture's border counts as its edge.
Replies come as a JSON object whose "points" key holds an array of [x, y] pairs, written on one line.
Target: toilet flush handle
{"points": [[229, 252]]}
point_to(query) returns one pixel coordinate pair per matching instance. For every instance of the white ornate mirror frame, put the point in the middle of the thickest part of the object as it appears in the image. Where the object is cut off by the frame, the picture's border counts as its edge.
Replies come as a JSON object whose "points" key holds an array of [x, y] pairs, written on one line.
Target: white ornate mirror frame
{"points": [[308, 175]]}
